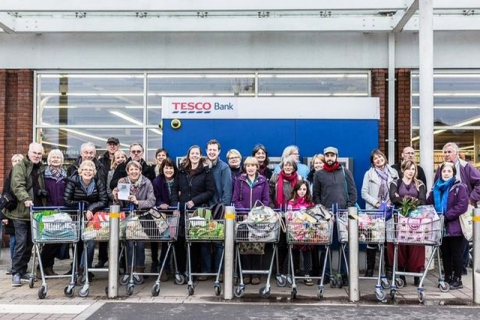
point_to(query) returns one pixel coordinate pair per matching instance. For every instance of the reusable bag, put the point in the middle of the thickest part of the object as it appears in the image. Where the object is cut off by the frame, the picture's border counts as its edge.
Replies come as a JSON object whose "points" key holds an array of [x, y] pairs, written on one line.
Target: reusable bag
{"points": [[466, 223], [415, 230], [154, 223], [262, 223]]}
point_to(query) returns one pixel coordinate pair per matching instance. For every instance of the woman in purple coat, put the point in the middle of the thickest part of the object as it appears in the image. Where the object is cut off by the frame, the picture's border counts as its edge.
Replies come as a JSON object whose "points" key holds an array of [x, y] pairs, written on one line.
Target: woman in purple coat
{"points": [[450, 198], [250, 187]]}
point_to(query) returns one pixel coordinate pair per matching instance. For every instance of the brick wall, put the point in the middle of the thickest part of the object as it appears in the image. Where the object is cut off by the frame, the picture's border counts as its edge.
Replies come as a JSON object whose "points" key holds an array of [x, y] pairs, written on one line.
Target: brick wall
{"points": [[16, 115], [402, 108]]}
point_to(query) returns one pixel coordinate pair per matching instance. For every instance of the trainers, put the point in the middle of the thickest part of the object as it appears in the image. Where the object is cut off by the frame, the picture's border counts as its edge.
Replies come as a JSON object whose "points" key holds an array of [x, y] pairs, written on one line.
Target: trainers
{"points": [[308, 281], [16, 280], [101, 264], [456, 284], [25, 277]]}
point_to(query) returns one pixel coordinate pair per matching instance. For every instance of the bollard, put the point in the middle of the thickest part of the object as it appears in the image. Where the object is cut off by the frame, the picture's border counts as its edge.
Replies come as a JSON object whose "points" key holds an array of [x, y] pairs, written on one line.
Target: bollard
{"points": [[353, 291], [113, 248], [229, 250], [476, 256]]}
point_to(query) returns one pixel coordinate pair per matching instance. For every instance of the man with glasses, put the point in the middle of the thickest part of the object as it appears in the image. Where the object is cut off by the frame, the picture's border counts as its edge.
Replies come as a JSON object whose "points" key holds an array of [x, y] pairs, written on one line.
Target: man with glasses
{"points": [[136, 154], [409, 154], [27, 184]]}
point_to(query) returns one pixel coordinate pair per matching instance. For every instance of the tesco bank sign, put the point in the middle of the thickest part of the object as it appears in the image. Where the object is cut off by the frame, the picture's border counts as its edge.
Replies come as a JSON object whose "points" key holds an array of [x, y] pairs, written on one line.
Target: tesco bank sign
{"points": [[200, 108]]}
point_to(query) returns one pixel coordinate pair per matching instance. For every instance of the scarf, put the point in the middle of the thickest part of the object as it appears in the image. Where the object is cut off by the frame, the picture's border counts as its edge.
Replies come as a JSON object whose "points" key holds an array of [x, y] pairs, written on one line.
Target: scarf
{"points": [[383, 191], [55, 173], [299, 203], [440, 194], [331, 168], [262, 169], [281, 177], [90, 188], [134, 186]]}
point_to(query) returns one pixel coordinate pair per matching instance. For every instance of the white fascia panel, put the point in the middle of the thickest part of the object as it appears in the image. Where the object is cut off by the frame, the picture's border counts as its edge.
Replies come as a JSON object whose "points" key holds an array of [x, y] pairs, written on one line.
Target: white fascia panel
{"points": [[448, 23], [195, 5], [194, 24]]}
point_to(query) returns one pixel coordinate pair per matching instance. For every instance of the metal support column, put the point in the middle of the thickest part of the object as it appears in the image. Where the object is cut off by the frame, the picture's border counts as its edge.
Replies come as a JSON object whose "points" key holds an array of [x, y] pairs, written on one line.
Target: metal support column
{"points": [[229, 252], [476, 256], [391, 98], [353, 290], [113, 248], [426, 88]]}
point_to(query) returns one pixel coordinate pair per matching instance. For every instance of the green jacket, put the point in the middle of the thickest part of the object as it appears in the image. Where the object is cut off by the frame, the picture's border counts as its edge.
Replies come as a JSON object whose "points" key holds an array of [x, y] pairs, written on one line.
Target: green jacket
{"points": [[22, 187]]}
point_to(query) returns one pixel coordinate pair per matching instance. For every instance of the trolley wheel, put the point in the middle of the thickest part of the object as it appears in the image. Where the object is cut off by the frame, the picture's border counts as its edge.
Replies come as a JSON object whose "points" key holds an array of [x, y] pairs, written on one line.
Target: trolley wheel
{"points": [[392, 294], [264, 293], [155, 290], [421, 296], [138, 279], [385, 284], [444, 287], [218, 290], [83, 292], [31, 282], [320, 294], [179, 279], [281, 281], [239, 292], [124, 279], [293, 294], [191, 290], [399, 283], [129, 289], [68, 291], [381, 295], [42, 292], [333, 283]]}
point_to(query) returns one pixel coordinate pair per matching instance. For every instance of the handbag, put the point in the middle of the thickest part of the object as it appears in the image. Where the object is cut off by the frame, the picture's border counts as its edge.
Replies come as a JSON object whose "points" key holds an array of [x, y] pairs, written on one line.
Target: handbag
{"points": [[466, 223], [154, 224], [8, 201]]}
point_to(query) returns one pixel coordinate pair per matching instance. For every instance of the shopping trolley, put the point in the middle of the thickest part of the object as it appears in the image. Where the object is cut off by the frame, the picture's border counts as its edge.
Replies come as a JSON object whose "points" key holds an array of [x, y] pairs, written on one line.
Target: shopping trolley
{"points": [[258, 231], [304, 229], [371, 231], [98, 230], [200, 227], [153, 225], [416, 232], [54, 225]]}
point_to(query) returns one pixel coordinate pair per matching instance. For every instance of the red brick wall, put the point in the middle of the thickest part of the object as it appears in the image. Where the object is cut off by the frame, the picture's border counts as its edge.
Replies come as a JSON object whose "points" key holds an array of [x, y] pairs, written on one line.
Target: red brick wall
{"points": [[16, 115], [402, 108]]}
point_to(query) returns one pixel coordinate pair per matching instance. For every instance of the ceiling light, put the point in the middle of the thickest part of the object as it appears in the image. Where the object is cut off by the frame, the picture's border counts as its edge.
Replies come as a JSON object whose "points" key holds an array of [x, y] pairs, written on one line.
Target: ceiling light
{"points": [[126, 117]]}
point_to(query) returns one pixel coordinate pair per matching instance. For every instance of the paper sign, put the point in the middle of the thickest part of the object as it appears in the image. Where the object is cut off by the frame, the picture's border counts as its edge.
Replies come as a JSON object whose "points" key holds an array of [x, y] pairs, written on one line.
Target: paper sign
{"points": [[123, 191]]}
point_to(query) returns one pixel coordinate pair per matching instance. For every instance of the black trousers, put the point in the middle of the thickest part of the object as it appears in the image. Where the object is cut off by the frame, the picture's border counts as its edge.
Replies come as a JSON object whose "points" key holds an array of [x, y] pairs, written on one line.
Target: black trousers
{"points": [[23, 246], [452, 256]]}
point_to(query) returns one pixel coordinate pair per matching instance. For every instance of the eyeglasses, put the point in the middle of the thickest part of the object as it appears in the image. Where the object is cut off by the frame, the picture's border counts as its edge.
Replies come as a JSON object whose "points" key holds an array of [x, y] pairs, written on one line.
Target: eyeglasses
{"points": [[136, 151], [233, 158]]}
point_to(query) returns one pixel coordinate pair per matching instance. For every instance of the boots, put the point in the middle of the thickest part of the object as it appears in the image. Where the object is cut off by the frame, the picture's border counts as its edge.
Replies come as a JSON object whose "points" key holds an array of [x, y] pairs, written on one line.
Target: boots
{"points": [[50, 272], [371, 257]]}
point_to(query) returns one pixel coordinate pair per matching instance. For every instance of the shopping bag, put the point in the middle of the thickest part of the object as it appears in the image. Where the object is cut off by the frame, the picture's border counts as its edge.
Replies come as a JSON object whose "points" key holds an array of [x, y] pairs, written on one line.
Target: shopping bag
{"points": [[466, 223], [262, 223], [134, 229], [415, 230], [154, 223], [101, 219]]}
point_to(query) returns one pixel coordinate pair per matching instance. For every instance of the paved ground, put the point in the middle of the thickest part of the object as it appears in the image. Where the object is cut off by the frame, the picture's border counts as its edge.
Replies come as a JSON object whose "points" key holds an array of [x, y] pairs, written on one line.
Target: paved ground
{"points": [[23, 302]]}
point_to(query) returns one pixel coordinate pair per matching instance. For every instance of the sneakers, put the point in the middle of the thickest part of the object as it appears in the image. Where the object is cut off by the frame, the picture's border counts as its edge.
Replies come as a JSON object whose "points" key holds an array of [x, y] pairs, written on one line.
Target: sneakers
{"points": [[101, 264], [16, 280], [308, 281], [456, 284]]}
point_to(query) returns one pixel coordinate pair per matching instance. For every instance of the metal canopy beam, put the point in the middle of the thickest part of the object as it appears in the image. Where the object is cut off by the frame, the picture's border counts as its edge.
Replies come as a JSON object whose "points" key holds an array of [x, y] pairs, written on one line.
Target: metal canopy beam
{"points": [[406, 16], [193, 5]]}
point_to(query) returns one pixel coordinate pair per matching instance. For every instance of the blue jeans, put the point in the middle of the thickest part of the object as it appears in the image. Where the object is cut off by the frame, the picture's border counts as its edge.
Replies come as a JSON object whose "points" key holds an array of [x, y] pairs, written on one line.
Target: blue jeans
{"points": [[12, 247], [139, 254], [90, 252], [207, 256]]}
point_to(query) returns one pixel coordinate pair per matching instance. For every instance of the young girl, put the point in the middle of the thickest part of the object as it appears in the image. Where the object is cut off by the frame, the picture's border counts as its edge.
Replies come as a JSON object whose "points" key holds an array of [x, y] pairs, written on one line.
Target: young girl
{"points": [[301, 198]]}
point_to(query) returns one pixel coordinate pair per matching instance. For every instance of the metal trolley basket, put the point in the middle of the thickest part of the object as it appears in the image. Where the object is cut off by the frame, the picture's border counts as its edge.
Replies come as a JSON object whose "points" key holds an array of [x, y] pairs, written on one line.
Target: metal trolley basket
{"points": [[200, 227], [416, 232], [306, 230], [97, 230], [257, 232], [371, 231], [154, 225], [54, 225]]}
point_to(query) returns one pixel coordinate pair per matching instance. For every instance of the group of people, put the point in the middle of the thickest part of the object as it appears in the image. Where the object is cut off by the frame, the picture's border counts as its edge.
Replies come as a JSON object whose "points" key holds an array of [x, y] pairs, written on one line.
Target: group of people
{"points": [[207, 181]]}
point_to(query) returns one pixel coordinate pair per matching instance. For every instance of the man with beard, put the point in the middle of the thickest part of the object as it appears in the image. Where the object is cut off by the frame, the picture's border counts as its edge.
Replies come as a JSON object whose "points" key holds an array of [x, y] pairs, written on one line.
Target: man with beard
{"points": [[334, 185]]}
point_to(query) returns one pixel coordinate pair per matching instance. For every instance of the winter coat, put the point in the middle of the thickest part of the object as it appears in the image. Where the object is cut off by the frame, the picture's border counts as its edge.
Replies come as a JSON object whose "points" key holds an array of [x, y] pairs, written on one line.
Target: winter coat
{"points": [[75, 193], [121, 172], [160, 189], [245, 196], [287, 190], [145, 195], [371, 186], [222, 178], [24, 189], [457, 203], [198, 188], [55, 189], [331, 187], [101, 171]]}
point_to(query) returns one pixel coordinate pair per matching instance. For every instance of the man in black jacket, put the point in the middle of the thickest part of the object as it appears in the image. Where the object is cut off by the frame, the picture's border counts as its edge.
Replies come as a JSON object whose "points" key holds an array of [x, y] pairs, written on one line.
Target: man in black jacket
{"points": [[88, 152], [136, 153]]}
